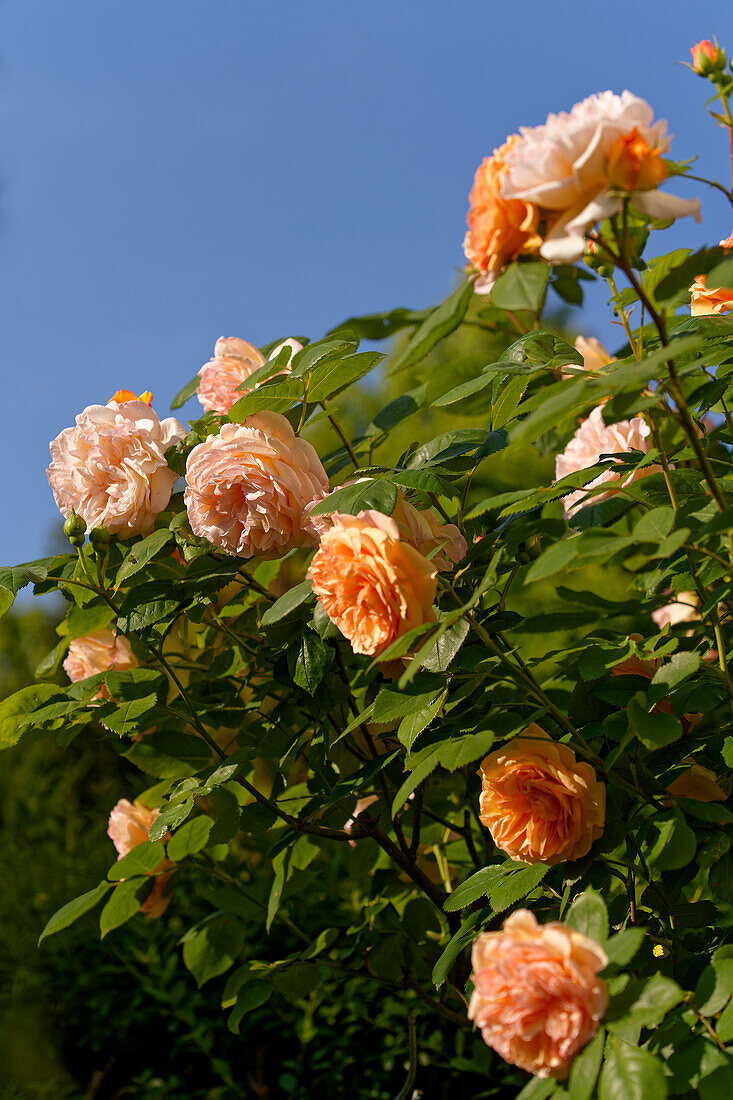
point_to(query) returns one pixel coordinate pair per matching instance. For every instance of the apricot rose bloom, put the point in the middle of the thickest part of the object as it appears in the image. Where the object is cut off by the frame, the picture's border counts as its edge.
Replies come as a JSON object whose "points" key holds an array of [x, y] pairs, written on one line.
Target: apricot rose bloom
{"points": [[247, 488], [697, 782], [709, 301], [685, 609], [110, 468], [499, 229], [233, 362], [706, 57], [537, 997], [129, 825], [441, 542], [98, 652], [573, 167], [371, 583], [592, 439], [539, 804]]}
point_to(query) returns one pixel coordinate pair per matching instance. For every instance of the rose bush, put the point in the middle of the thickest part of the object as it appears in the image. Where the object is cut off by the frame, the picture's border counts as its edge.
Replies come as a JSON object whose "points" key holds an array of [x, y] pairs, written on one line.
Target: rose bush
{"points": [[388, 721]]}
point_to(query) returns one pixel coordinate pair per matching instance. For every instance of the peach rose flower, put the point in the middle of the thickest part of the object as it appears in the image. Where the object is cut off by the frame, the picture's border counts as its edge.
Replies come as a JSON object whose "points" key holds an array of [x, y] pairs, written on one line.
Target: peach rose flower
{"points": [[594, 355], [233, 362], [111, 468], [247, 488], [538, 803], [638, 666], [374, 586], [129, 825], [537, 997], [499, 229], [572, 167], [706, 57], [697, 782], [592, 439], [684, 609], [708, 301], [98, 652], [424, 529]]}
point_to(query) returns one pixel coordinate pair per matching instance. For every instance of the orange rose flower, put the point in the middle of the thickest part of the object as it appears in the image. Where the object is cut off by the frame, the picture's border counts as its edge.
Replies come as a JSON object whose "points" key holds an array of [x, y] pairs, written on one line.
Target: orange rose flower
{"points": [[706, 57], [374, 586], [538, 803], [698, 783], [706, 301], [98, 652], [129, 825], [633, 164], [499, 229], [537, 996]]}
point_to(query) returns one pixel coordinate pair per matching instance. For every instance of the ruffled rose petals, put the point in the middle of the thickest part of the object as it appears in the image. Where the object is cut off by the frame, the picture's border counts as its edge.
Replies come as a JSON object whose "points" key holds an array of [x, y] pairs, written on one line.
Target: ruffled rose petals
{"points": [[595, 438], [373, 585], [233, 362], [537, 997], [441, 542], [110, 468], [499, 229], [539, 804], [98, 652], [575, 168], [129, 825], [247, 488], [711, 301]]}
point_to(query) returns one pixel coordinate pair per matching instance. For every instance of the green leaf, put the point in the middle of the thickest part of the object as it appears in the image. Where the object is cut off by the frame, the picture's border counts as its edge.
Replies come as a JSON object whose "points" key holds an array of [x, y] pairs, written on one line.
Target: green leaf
{"points": [[391, 703], [588, 915], [19, 706], [585, 1067], [86, 620], [673, 843], [541, 350], [143, 552], [630, 1073], [70, 912], [281, 867], [274, 395], [456, 945], [658, 996], [287, 603], [678, 282], [412, 725], [655, 525], [330, 378], [539, 1088], [677, 669], [314, 658], [654, 729], [15, 577], [210, 949], [254, 994], [378, 494], [190, 838], [183, 394], [521, 286], [141, 860], [438, 324], [556, 557], [622, 947], [122, 905], [477, 885], [715, 985], [466, 390], [520, 880]]}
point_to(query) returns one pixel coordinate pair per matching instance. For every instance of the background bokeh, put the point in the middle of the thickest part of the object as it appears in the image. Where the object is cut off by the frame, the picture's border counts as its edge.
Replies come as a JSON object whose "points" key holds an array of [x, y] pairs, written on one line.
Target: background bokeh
{"points": [[172, 172]]}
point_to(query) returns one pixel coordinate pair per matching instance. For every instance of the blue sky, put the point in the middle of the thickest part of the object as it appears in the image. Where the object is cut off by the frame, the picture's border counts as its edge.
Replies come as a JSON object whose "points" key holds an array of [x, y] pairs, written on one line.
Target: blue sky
{"points": [[174, 171]]}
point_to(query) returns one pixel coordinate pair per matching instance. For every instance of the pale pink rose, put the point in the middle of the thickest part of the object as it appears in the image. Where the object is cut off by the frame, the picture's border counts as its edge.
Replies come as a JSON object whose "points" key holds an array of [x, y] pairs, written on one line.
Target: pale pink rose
{"points": [[592, 439], [538, 802], [129, 825], [537, 997], [425, 530], [374, 586], [247, 487], [684, 609], [573, 167], [233, 362], [98, 652], [111, 468], [362, 804]]}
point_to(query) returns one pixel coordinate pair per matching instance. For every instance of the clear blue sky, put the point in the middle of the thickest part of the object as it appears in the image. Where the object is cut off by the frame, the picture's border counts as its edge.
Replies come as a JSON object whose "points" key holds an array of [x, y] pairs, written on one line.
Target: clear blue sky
{"points": [[175, 170]]}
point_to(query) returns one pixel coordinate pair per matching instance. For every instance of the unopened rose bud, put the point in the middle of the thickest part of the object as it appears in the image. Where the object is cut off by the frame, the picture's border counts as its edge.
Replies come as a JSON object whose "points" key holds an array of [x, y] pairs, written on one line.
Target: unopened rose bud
{"points": [[75, 529], [707, 58], [99, 538]]}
